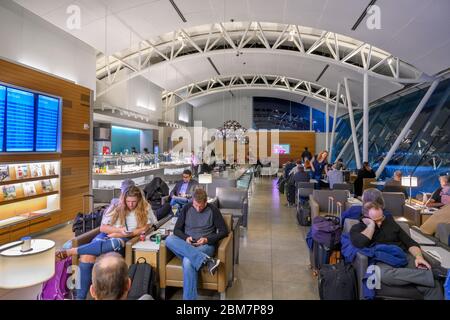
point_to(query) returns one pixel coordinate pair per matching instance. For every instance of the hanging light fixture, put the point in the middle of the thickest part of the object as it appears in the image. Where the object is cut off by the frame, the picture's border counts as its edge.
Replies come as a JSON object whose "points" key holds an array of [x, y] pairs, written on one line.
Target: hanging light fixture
{"points": [[233, 130]]}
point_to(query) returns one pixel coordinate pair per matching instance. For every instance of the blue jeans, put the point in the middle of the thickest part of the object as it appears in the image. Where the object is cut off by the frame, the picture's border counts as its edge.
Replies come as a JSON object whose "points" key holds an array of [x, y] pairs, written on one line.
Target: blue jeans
{"points": [[98, 246], [179, 202], [193, 259]]}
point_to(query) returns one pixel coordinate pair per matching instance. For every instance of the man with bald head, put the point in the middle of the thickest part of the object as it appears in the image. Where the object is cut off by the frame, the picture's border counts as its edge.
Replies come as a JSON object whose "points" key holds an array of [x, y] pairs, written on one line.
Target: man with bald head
{"points": [[110, 279]]}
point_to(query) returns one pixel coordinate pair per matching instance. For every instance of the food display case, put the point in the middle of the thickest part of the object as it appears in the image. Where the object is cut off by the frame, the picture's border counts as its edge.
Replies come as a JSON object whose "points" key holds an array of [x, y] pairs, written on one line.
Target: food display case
{"points": [[110, 170]]}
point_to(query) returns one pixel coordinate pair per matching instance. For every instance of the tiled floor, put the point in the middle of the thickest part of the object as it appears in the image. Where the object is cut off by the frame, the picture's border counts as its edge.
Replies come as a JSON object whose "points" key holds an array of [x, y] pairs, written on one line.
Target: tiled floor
{"points": [[274, 260]]}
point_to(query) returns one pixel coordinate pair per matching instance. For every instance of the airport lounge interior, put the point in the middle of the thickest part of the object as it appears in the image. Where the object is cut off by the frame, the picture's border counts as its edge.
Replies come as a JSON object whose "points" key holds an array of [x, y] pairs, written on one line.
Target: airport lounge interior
{"points": [[224, 150]]}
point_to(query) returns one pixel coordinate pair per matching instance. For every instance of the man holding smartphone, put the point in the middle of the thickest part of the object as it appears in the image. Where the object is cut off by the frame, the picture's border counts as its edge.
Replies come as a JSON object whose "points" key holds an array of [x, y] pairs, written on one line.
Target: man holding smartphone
{"points": [[198, 229], [376, 228]]}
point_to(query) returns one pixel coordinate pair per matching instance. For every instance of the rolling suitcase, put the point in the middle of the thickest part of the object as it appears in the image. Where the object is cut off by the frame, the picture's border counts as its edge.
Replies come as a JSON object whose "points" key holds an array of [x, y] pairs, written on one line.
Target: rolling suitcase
{"points": [[303, 212], [326, 233], [86, 221]]}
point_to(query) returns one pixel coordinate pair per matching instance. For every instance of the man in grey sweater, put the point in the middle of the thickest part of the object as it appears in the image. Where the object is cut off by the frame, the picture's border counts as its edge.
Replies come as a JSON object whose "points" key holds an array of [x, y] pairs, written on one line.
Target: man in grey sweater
{"points": [[199, 227]]}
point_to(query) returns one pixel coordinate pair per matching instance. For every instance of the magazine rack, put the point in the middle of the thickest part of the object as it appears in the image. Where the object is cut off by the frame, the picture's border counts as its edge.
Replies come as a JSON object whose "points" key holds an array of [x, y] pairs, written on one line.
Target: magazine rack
{"points": [[28, 190]]}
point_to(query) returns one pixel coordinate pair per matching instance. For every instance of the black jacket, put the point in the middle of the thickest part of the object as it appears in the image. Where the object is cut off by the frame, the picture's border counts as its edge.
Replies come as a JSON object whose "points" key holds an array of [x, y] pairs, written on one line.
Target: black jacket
{"points": [[154, 191], [388, 233]]}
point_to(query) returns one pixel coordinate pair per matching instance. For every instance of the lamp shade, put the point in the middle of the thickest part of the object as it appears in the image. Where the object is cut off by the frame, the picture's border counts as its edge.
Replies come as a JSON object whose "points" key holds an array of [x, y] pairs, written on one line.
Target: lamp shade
{"points": [[24, 269], [204, 178], [409, 181]]}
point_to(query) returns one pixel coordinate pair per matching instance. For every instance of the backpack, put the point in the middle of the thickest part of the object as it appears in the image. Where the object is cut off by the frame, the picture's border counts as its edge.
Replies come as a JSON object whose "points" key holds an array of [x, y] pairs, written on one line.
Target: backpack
{"points": [[87, 222], [337, 282], [56, 287], [142, 279], [326, 230]]}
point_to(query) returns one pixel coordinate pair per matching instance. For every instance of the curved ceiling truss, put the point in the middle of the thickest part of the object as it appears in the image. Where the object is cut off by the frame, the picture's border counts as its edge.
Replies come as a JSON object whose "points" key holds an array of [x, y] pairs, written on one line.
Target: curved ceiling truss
{"points": [[240, 37], [215, 85]]}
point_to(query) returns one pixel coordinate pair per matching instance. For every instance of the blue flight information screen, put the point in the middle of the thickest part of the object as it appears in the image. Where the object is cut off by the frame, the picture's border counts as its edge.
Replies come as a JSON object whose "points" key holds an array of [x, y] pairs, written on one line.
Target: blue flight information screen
{"points": [[2, 115], [20, 120], [47, 124]]}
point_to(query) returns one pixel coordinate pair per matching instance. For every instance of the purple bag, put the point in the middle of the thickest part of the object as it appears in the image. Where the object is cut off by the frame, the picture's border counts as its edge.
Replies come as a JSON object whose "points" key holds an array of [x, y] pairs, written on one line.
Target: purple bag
{"points": [[326, 230], [56, 287]]}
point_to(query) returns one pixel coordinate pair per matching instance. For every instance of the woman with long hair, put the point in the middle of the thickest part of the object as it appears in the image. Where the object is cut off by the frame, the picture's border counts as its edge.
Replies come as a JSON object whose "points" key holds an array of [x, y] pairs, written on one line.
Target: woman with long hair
{"points": [[129, 218], [318, 165]]}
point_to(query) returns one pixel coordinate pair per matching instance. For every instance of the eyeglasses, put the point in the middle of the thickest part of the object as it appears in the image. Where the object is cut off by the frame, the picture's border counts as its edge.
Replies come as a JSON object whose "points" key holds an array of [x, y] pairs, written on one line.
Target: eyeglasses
{"points": [[186, 177], [380, 219]]}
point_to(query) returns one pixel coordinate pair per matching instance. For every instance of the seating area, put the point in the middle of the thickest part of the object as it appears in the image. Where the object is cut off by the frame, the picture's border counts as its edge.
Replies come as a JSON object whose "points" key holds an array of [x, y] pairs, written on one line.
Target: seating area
{"points": [[224, 150]]}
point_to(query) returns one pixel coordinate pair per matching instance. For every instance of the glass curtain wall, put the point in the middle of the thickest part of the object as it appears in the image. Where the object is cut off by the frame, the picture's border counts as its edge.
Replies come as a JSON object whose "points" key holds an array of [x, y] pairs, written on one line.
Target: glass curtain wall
{"points": [[273, 113], [424, 152]]}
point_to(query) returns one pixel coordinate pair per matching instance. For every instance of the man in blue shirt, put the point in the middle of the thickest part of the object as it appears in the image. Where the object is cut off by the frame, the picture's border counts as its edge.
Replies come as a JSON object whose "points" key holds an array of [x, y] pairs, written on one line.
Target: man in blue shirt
{"points": [[183, 190]]}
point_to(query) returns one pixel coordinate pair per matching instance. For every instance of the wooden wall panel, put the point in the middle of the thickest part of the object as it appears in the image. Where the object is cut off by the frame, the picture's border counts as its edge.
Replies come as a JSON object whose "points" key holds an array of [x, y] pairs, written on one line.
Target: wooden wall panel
{"points": [[297, 140], [74, 158]]}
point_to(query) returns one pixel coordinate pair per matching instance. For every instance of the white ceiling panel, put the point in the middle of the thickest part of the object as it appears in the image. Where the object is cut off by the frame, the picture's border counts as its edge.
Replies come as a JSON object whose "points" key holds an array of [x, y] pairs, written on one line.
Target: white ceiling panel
{"points": [[409, 28]]}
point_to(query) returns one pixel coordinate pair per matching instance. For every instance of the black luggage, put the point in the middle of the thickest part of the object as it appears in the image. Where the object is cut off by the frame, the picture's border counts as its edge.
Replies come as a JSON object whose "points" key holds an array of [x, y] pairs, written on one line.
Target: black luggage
{"points": [[290, 194], [85, 221], [281, 184], [303, 212], [142, 279], [337, 282]]}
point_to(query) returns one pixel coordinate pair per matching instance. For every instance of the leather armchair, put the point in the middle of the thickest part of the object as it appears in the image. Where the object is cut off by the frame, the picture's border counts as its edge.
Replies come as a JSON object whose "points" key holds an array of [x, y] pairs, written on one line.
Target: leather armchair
{"points": [[360, 265], [171, 268], [395, 203], [304, 190], [320, 198], [220, 182], [443, 233], [234, 201], [343, 186]]}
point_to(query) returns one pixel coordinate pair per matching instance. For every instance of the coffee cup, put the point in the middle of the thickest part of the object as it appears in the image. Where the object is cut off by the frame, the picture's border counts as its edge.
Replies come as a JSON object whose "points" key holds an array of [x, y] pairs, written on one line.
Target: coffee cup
{"points": [[26, 245]]}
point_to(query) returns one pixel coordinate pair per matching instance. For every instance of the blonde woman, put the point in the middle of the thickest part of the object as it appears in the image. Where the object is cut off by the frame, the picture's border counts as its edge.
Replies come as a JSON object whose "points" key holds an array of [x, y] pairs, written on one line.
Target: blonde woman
{"points": [[129, 218], [318, 165]]}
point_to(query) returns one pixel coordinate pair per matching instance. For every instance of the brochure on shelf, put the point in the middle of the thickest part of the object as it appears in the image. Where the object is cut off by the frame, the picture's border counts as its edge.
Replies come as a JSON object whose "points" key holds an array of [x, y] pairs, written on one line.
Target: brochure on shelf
{"points": [[50, 169], [21, 171], [29, 189], [47, 186], [9, 192], [4, 173], [36, 170]]}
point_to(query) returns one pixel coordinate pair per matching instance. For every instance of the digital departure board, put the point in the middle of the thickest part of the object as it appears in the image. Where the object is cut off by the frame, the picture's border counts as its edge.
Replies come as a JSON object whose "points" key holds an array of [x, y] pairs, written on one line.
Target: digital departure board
{"points": [[47, 124], [2, 115], [29, 121], [19, 120]]}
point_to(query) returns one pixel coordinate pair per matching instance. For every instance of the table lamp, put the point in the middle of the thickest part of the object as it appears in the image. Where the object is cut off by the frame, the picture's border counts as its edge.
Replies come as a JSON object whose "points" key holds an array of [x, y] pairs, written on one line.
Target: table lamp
{"points": [[410, 182], [22, 267], [205, 179]]}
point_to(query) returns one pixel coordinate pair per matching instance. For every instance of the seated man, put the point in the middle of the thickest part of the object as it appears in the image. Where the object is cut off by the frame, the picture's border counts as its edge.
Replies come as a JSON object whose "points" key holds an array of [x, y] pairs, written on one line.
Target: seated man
{"points": [[340, 164], [199, 227], [395, 184], [300, 175], [376, 228], [183, 190], [436, 199], [369, 195], [110, 279]]}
